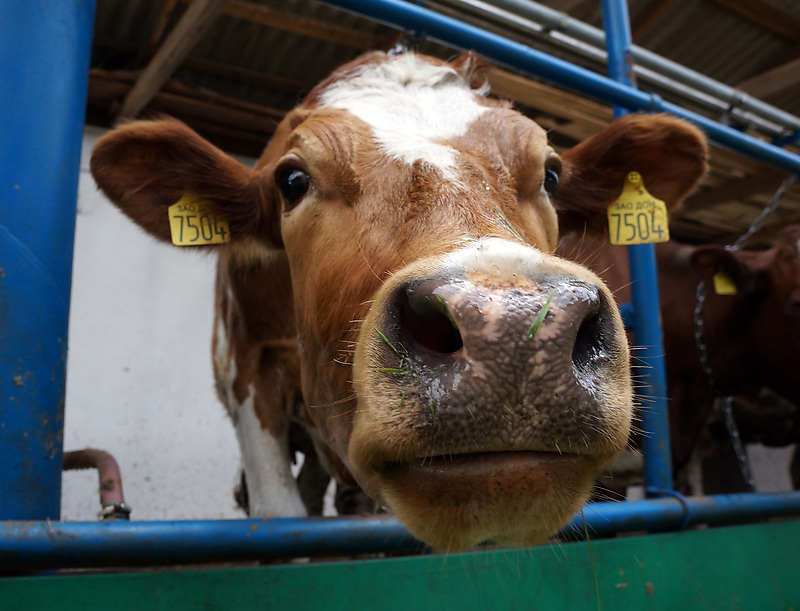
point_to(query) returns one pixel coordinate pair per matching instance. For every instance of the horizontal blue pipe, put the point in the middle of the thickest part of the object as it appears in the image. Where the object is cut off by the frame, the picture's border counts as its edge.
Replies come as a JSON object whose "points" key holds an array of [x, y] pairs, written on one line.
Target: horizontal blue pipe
{"points": [[450, 31], [28, 546]]}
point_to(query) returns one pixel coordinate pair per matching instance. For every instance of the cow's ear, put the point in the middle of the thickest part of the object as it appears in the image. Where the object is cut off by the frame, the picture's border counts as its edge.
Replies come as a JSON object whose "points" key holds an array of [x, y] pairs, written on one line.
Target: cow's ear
{"points": [[146, 166], [669, 153], [711, 261]]}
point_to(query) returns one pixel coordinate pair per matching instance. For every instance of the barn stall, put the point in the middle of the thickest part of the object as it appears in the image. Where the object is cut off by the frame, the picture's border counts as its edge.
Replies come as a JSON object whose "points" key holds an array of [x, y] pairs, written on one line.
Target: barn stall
{"points": [[201, 75]]}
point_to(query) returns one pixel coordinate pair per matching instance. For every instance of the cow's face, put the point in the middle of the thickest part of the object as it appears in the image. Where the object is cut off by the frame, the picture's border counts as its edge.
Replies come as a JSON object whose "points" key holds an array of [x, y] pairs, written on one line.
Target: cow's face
{"points": [[467, 378], [764, 314]]}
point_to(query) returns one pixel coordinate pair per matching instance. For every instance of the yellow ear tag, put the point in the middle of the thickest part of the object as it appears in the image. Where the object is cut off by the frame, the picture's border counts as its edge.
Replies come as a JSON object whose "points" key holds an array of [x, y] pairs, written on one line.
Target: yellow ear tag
{"points": [[195, 222], [637, 217], [723, 285]]}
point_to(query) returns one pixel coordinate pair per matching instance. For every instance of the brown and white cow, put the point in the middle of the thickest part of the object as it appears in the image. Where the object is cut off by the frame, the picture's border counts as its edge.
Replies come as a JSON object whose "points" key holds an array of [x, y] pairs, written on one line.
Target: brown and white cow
{"points": [[751, 331], [390, 254]]}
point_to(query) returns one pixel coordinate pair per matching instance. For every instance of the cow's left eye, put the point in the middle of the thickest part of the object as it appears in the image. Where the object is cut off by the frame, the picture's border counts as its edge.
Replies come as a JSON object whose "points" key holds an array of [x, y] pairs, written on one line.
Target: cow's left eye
{"points": [[294, 184], [550, 181]]}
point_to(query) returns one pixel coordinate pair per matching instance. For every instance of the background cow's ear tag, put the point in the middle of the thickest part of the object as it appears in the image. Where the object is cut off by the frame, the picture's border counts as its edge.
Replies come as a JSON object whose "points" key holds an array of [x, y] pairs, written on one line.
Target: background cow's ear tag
{"points": [[637, 217], [723, 284], [196, 222]]}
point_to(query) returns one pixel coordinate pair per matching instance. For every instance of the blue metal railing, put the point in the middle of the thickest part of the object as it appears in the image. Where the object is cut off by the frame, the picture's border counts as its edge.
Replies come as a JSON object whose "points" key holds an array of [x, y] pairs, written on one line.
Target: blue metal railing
{"points": [[27, 546], [646, 321], [47, 225], [44, 73]]}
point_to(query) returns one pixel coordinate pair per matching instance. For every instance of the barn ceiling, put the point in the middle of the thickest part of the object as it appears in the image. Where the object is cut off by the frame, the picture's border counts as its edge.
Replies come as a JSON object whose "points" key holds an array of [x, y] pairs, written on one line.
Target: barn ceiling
{"points": [[232, 68]]}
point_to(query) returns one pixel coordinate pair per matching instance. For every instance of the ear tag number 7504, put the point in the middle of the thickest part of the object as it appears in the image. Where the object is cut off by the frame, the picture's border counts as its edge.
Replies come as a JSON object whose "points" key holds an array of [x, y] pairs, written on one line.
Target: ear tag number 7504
{"points": [[196, 222], [637, 217]]}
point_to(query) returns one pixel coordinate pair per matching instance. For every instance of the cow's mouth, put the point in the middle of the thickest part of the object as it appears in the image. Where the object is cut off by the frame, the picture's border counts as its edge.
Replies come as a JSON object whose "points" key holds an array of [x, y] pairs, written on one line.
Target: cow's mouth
{"points": [[487, 475], [513, 497], [479, 464]]}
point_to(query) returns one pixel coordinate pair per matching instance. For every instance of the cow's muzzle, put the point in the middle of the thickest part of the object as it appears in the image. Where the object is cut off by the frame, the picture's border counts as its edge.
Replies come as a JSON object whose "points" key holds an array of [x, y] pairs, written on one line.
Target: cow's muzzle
{"points": [[499, 355]]}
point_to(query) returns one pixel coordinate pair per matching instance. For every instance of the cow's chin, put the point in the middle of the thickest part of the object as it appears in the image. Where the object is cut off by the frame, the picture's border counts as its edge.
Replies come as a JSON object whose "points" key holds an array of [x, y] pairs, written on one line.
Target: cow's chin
{"points": [[514, 498]]}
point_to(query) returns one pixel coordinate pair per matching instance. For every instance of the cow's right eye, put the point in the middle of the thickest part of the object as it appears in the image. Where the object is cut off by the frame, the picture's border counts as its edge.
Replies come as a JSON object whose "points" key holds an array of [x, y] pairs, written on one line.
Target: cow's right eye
{"points": [[294, 184]]}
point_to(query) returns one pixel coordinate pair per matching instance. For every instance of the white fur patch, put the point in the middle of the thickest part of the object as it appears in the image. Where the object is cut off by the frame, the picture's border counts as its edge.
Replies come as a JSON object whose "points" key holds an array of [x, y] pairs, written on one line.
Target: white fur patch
{"points": [[271, 488], [412, 107], [221, 347], [501, 256]]}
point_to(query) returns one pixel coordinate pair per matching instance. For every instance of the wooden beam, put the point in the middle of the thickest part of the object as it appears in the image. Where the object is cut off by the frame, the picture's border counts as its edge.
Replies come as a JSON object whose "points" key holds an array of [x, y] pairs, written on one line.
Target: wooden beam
{"points": [[647, 16], [773, 81], [547, 99], [161, 22], [231, 124], [292, 22], [195, 22], [105, 85], [791, 54], [252, 77], [736, 190], [765, 15]]}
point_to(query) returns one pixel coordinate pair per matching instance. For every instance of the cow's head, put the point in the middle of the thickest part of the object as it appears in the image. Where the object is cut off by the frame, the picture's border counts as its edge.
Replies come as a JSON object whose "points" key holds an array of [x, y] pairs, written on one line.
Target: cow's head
{"points": [[469, 379], [762, 310]]}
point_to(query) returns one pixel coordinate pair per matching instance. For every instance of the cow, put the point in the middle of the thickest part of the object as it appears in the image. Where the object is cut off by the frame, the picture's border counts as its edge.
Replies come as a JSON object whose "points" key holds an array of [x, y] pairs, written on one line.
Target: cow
{"points": [[389, 284], [751, 331]]}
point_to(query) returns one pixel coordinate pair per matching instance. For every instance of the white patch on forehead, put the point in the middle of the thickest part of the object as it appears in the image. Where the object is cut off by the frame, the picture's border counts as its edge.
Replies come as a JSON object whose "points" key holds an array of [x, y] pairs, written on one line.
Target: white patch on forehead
{"points": [[797, 246], [498, 255], [411, 106]]}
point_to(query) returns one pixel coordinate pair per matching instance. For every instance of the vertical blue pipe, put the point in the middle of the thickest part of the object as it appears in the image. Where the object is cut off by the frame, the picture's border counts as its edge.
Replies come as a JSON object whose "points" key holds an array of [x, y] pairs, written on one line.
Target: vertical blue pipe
{"points": [[45, 48], [646, 303]]}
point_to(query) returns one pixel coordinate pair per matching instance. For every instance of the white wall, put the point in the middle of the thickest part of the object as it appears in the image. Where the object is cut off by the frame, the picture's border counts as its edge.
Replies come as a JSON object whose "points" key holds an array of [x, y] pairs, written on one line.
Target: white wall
{"points": [[139, 381]]}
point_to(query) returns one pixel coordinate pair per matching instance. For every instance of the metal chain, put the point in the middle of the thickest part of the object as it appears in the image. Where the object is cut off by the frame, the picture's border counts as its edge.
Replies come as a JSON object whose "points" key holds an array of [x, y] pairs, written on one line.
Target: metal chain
{"points": [[726, 399], [768, 209]]}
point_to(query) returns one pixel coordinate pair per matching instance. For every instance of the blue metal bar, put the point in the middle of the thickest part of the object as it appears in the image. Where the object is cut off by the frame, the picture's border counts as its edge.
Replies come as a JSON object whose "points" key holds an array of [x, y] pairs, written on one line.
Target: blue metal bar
{"points": [[677, 512], [644, 288], [27, 546], [450, 31], [649, 360], [618, 44], [32, 545], [626, 311], [44, 74]]}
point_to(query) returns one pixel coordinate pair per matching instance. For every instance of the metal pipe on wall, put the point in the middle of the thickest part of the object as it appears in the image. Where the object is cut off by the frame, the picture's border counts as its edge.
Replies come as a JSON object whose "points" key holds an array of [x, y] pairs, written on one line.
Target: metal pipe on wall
{"points": [[558, 21], [557, 35], [45, 46], [450, 31], [29, 546]]}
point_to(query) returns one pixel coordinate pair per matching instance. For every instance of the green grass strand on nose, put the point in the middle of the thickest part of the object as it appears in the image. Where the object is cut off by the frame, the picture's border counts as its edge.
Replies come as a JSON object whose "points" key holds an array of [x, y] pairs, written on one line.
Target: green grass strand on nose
{"points": [[540, 317], [447, 312]]}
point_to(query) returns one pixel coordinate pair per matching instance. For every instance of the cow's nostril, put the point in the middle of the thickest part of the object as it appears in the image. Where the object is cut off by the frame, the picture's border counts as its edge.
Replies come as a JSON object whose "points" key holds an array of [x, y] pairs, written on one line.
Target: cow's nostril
{"points": [[427, 321], [589, 343]]}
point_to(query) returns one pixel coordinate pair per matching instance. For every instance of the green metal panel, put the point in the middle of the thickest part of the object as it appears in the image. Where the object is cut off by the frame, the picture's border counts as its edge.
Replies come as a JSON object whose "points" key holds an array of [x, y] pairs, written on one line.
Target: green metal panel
{"points": [[740, 567]]}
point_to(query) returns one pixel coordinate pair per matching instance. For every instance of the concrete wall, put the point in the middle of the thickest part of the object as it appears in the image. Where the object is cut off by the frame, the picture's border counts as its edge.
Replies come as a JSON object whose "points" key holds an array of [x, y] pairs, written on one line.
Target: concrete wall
{"points": [[139, 381]]}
